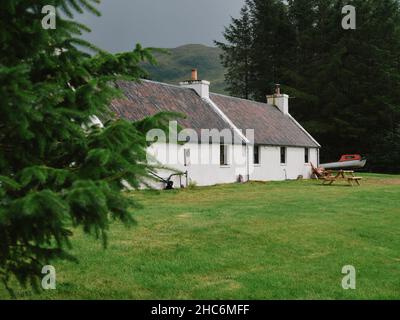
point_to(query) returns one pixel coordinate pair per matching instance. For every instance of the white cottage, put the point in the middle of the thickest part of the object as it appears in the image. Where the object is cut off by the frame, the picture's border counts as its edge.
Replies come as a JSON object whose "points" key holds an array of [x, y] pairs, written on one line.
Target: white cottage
{"points": [[225, 139]]}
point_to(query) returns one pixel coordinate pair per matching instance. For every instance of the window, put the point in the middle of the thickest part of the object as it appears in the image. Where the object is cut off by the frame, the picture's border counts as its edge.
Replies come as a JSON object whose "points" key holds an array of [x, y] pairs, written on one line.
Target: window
{"points": [[186, 157], [256, 154], [283, 155], [306, 155], [223, 155]]}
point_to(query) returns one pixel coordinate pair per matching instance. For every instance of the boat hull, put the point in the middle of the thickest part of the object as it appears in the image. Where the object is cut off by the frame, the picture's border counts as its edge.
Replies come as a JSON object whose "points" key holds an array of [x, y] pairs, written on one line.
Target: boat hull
{"points": [[356, 164]]}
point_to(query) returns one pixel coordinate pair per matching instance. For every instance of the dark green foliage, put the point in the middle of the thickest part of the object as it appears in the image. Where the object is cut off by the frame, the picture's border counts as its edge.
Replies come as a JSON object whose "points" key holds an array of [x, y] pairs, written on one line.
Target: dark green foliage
{"points": [[346, 83], [236, 56], [273, 37], [388, 152], [57, 170]]}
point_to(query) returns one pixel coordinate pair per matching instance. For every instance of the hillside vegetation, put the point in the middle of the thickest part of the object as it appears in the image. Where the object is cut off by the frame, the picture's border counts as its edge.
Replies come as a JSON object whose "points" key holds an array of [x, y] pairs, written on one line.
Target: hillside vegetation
{"points": [[176, 65]]}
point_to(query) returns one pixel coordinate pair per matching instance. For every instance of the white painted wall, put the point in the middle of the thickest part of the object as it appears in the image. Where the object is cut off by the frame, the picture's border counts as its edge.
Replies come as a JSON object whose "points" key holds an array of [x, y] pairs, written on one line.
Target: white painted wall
{"points": [[271, 169], [204, 164]]}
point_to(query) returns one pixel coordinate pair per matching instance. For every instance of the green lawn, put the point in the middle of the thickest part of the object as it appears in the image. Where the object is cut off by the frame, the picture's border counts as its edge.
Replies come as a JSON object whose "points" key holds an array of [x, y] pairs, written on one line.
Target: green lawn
{"points": [[276, 240]]}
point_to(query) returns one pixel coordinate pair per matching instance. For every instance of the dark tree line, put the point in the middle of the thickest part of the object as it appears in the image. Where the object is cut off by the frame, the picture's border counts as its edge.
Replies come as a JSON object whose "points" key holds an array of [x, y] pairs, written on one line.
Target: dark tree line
{"points": [[345, 83]]}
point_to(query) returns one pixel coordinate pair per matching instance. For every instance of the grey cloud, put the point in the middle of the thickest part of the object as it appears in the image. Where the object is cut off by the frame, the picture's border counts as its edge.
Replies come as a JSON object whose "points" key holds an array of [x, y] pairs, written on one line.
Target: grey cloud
{"points": [[159, 23]]}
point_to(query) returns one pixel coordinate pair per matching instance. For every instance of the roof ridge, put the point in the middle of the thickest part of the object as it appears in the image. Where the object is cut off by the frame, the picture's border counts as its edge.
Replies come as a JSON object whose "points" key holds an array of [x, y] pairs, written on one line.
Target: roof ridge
{"points": [[163, 83], [218, 94], [243, 99]]}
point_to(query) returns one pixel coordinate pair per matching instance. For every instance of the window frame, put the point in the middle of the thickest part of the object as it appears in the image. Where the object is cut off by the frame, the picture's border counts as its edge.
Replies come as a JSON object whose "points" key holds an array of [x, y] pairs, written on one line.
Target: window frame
{"points": [[306, 155], [284, 149], [258, 158], [223, 155]]}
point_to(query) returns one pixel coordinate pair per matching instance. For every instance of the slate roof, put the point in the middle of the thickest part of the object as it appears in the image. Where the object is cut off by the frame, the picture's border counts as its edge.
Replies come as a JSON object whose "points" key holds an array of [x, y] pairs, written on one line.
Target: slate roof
{"points": [[271, 126], [147, 98]]}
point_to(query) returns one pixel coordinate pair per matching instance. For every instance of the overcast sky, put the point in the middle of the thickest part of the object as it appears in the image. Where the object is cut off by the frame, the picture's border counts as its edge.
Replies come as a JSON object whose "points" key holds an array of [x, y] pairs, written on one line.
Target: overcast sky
{"points": [[159, 23]]}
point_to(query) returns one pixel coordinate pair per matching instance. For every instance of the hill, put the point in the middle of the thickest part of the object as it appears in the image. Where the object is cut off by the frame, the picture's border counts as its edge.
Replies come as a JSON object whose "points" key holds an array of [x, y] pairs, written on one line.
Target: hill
{"points": [[176, 65]]}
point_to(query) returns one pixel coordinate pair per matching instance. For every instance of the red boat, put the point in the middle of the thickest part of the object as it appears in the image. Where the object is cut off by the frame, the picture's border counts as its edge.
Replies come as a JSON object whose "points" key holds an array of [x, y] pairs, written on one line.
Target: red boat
{"points": [[347, 161]]}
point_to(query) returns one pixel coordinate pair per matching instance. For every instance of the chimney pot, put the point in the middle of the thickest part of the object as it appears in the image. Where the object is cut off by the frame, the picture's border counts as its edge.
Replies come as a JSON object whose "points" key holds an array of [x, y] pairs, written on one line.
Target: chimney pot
{"points": [[277, 89], [194, 74]]}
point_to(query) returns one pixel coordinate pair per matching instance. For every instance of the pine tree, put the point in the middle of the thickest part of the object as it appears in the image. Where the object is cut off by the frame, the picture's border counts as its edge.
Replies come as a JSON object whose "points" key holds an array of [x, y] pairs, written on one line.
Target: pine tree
{"points": [[303, 15], [346, 83], [387, 158], [236, 56], [256, 48], [58, 171], [316, 24], [356, 78], [273, 44]]}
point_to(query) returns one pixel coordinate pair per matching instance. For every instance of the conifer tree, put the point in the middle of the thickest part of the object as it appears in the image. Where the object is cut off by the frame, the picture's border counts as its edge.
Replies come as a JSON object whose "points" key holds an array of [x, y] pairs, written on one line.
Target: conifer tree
{"points": [[236, 56], [355, 78], [346, 83], [273, 44], [58, 171]]}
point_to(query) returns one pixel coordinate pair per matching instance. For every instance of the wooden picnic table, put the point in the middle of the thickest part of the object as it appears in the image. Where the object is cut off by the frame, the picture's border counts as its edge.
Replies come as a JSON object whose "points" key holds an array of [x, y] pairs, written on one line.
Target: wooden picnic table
{"points": [[332, 176]]}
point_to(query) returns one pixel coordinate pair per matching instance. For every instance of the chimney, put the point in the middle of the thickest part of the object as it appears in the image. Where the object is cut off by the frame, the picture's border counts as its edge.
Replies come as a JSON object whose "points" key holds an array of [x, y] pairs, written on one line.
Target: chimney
{"points": [[281, 101], [201, 87], [194, 74]]}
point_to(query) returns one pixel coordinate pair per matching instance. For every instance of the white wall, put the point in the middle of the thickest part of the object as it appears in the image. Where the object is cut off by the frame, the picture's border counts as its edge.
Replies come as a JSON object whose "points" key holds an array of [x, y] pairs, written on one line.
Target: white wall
{"points": [[204, 166], [204, 163], [270, 167]]}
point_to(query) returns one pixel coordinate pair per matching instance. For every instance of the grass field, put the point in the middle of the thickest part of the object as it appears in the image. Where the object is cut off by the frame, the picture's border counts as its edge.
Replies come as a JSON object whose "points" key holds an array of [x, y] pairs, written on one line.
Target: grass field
{"points": [[276, 240]]}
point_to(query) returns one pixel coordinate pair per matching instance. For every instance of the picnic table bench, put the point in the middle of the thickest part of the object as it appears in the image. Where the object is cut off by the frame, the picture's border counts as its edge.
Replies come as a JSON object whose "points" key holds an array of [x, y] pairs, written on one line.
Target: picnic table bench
{"points": [[342, 175]]}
